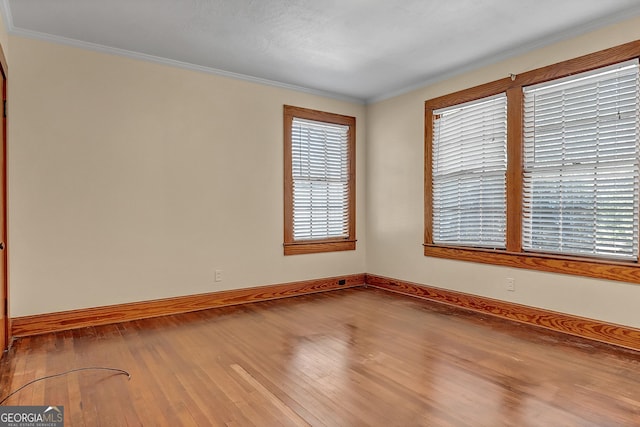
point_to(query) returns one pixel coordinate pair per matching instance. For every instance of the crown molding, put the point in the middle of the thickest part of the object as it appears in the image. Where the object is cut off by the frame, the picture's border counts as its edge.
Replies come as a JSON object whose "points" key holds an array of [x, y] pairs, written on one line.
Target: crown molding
{"points": [[5, 10]]}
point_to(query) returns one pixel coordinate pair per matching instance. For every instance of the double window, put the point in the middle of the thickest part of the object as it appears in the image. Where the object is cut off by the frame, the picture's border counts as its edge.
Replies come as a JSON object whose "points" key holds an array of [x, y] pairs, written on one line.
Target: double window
{"points": [[319, 181], [540, 170]]}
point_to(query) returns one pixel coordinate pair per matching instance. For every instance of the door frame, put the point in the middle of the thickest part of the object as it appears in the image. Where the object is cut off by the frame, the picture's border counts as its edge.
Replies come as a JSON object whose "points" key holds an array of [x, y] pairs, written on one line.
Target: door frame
{"points": [[5, 328]]}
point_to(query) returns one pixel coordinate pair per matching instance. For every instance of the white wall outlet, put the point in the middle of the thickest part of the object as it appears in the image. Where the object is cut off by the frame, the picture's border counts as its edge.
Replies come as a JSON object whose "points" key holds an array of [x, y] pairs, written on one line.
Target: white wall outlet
{"points": [[510, 284], [218, 276]]}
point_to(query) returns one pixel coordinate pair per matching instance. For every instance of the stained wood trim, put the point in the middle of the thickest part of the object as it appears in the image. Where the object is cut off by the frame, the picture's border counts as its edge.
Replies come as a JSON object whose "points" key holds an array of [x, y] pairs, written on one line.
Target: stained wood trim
{"points": [[566, 68], [5, 328], [74, 319], [580, 64], [622, 336], [600, 269], [317, 247], [514, 169]]}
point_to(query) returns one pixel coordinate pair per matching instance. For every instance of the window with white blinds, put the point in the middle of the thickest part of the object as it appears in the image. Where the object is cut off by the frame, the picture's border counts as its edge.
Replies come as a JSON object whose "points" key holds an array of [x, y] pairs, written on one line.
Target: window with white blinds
{"points": [[581, 151], [319, 181], [469, 157], [320, 172]]}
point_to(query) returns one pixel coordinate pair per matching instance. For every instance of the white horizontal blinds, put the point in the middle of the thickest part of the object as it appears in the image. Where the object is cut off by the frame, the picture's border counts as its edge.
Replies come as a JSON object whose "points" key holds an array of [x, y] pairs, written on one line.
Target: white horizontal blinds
{"points": [[319, 153], [469, 173], [581, 153]]}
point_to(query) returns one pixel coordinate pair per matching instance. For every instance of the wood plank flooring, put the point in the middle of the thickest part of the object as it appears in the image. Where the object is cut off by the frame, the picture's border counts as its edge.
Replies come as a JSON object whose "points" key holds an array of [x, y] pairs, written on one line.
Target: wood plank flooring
{"points": [[354, 357]]}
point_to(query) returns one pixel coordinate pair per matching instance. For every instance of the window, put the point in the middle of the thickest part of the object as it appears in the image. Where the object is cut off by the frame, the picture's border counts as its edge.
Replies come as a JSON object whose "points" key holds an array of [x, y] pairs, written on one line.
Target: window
{"points": [[319, 161], [581, 164], [469, 173], [571, 195]]}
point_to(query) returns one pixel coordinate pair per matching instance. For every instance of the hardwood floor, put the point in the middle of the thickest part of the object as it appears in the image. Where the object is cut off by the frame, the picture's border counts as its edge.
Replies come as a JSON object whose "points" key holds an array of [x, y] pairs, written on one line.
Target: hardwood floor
{"points": [[354, 357]]}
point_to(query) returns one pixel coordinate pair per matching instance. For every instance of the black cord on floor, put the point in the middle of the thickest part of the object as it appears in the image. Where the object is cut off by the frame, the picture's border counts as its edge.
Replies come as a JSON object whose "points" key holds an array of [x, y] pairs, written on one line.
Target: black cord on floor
{"points": [[120, 371]]}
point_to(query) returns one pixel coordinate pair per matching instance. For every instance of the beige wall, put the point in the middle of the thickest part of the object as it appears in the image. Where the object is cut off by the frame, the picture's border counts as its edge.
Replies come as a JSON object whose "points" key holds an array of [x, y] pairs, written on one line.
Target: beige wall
{"points": [[131, 181], [4, 38], [395, 150]]}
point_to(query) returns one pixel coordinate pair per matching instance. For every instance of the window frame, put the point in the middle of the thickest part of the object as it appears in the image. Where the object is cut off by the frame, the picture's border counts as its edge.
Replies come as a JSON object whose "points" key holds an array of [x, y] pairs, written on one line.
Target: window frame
{"points": [[307, 246], [513, 255]]}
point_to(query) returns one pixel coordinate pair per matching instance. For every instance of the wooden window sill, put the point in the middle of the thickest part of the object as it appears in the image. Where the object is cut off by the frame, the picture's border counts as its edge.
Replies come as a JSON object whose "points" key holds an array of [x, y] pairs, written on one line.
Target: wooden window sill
{"points": [[307, 247], [595, 268]]}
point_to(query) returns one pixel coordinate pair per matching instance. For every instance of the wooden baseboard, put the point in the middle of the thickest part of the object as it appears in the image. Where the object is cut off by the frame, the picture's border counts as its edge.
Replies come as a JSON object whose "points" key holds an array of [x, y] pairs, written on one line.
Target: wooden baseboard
{"points": [[73, 319], [618, 335], [609, 333]]}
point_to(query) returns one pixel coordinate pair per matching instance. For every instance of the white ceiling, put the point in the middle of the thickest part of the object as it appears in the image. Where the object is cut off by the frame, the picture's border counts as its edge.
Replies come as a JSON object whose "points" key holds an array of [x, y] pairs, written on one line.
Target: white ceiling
{"points": [[361, 50]]}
